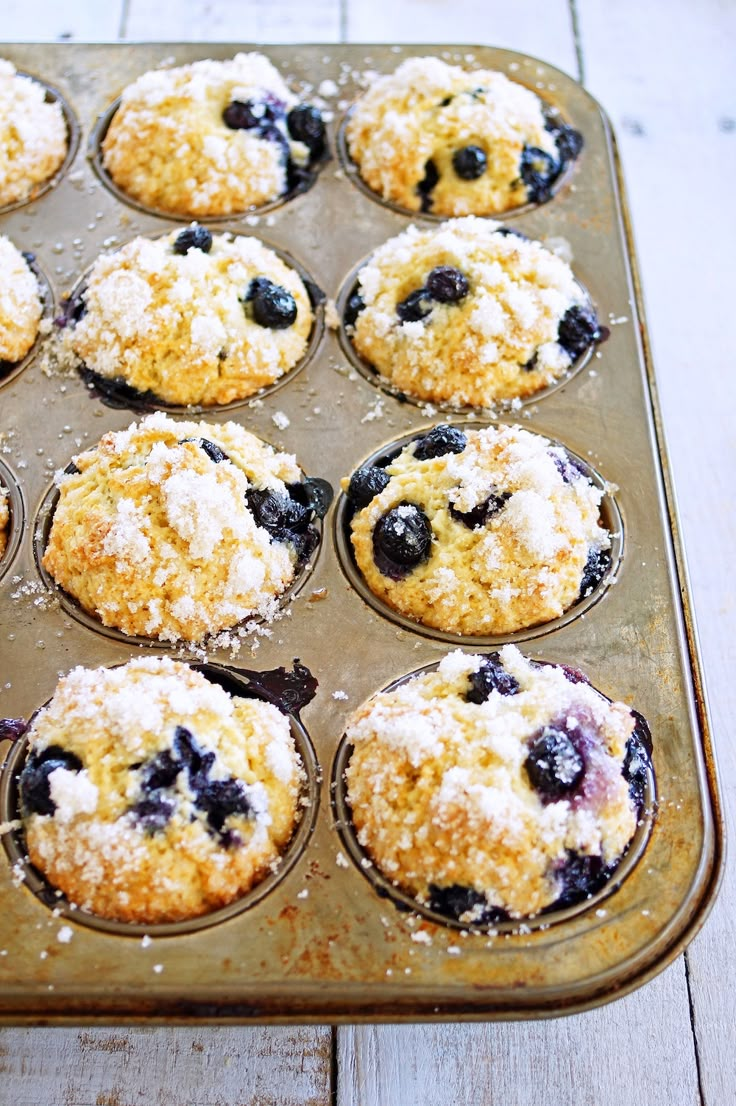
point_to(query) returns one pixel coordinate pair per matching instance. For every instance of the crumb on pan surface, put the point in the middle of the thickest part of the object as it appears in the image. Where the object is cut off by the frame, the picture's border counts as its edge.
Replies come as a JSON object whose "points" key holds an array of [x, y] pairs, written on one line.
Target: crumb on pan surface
{"points": [[180, 323], [169, 146], [152, 795], [439, 138], [469, 313], [478, 531], [33, 135], [178, 529], [20, 304], [492, 787]]}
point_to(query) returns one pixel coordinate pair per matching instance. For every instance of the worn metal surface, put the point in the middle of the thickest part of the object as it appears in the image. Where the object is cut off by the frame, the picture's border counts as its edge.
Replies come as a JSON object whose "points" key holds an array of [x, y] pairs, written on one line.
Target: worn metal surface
{"points": [[339, 952]]}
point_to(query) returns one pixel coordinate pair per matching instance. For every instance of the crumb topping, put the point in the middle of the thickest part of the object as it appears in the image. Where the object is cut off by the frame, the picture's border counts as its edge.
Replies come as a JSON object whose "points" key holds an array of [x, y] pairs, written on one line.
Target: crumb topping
{"points": [[33, 137], [20, 303]]}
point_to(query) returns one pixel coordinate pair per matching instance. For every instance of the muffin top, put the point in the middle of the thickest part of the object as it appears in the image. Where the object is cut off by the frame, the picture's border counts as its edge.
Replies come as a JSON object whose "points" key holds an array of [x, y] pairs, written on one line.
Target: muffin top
{"points": [[435, 137], [174, 530], [20, 304], [478, 532], [192, 317], [33, 135], [211, 138], [152, 795], [495, 786], [469, 313]]}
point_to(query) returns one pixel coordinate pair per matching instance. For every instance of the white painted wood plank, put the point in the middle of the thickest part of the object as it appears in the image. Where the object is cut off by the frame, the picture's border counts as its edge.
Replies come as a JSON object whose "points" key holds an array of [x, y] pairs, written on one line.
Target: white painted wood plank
{"points": [[542, 28], [234, 21], [594, 1059], [276, 1066], [50, 20], [672, 96]]}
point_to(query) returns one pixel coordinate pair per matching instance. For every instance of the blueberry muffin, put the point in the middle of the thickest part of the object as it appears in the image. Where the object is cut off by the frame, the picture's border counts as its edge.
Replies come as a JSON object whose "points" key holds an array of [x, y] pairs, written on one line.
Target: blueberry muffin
{"points": [[438, 138], [212, 138], [20, 305], [478, 532], [33, 136], [174, 530], [191, 318], [469, 313], [495, 787], [152, 795], [4, 520]]}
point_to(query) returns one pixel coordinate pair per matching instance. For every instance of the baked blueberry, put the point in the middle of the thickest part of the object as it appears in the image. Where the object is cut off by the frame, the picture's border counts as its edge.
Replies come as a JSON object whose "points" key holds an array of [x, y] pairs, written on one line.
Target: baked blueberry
{"points": [[415, 307], [579, 329], [273, 306], [270, 133], [569, 467], [402, 537], [153, 814], [440, 440], [221, 798], [35, 791], [484, 512], [353, 308], [314, 493], [427, 184], [277, 512], [596, 566], [579, 876], [213, 451], [306, 125], [193, 238], [553, 764], [246, 115], [456, 901], [491, 676], [470, 162], [539, 171], [569, 143], [447, 285], [160, 772], [366, 483], [574, 675], [12, 728]]}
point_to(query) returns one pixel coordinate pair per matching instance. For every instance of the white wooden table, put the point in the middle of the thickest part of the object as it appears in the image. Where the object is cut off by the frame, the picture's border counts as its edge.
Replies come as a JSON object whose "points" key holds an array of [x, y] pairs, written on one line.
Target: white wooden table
{"points": [[665, 73]]}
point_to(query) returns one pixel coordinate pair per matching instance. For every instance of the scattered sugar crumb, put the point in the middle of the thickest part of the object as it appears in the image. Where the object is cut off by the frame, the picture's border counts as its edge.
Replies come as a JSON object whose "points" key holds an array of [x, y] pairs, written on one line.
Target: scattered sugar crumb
{"points": [[65, 935], [341, 860], [145, 941], [43, 954], [281, 420], [303, 894], [339, 694], [332, 318], [158, 968], [421, 937], [453, 950], [15, 824], [375, 412]]}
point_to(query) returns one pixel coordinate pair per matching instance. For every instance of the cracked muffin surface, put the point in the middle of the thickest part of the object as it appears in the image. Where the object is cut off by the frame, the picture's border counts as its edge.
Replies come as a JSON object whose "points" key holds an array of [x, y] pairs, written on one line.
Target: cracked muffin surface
{"points": [[211, 138], [192, 317], [478, 532], [469, 313], [152, 795], [495, 787], [178, 529], [435, 137]]}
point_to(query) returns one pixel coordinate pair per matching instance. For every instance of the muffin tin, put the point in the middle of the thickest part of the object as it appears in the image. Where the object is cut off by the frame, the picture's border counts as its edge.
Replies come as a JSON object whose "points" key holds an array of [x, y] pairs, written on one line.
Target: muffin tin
{"points": [[324, 943]]}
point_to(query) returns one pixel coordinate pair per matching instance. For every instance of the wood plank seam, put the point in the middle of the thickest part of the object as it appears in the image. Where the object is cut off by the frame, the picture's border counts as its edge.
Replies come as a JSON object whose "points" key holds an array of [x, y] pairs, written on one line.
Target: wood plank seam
{"points": [[691, 1008], [580, 57]]}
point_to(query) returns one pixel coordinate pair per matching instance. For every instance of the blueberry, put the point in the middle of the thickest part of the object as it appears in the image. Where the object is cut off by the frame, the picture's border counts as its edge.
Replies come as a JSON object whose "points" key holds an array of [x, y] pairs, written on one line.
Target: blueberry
{"points": [[553, 764], [427, 184], [447, 285], [484, 512], [568, 466], [401, 540], [72, 470], [415, 307], [507, 232], [314, 493], [246, 115], [637, 760], [153, 814], [438, 441], [470, 162], [530, 365], [298, 178], [212, 450], [306, 125], [221, 798], [193, 238], [596, 566], [35, 791], [579, 329], [573, 675], [569, 143], [538, 171], [491, 676], [269, 133], [455, 901], [190, 754], [160, 771], [578, 877], [276, 511], [12, 728], [366, 483], [272, 305], [353, 308]]}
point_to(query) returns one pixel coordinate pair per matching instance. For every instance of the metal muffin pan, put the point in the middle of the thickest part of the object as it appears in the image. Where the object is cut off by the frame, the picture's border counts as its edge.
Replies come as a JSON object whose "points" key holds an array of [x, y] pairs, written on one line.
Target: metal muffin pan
{"points": [[323, 944]]}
